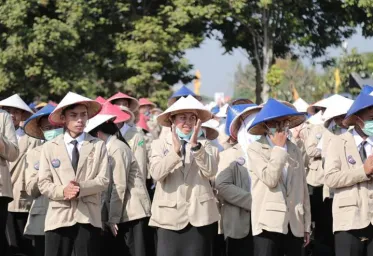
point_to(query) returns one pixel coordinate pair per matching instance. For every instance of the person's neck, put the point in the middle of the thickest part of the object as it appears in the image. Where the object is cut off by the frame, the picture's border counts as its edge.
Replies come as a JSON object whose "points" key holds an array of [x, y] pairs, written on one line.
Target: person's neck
{"points": [[73, 134], [360, 132], [104, 137]]}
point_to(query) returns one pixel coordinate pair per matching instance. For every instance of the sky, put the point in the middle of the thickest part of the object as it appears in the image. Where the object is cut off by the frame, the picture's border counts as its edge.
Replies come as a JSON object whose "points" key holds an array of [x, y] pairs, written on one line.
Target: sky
{"points": [[217, 69]]}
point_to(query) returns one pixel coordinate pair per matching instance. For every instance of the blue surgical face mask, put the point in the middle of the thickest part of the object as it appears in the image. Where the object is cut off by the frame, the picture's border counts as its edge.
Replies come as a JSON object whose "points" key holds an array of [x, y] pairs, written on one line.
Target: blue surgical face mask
{"points": [[272, 130], [368, 128], [51, 134], [187, 136]]}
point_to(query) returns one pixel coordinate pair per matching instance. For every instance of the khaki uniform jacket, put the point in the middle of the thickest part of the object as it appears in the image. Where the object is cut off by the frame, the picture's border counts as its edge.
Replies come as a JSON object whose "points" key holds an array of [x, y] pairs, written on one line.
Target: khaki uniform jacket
{"points": [[353, 197], [127, 197], [9, 152], [183, 192], [315, 171], [232, 183], [55, 174], [38, 211], [136, 140], [277, 203], [22, 201]]}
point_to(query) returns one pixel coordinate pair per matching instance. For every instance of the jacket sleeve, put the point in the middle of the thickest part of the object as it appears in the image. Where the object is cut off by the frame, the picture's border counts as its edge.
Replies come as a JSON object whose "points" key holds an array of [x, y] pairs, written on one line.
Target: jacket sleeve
{"points": [[141, 154], [46, 185], [9, 149], [335, 177], [267, 170], [207, 159], [121, 167], [31, 175], [162, 163], [231, 193], [101, 181], [312, 141], [306, 202]]}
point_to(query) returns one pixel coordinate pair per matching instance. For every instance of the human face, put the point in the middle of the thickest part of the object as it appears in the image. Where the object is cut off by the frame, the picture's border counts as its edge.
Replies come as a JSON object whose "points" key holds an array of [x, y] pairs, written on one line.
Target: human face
{"points": [[144, 109], [364, 115], [45, 125], [185, 122], [75, 120], [122, 103], [17, 115], [339, 121]]}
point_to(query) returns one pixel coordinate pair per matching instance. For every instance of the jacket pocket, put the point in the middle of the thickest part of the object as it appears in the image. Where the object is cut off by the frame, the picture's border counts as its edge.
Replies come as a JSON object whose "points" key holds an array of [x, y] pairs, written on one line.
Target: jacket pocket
{"points": [[300, 209], [278, 207], [344, 202], [205, 198], [166, 203], [38, 211], [92, 199], [60, 204]]}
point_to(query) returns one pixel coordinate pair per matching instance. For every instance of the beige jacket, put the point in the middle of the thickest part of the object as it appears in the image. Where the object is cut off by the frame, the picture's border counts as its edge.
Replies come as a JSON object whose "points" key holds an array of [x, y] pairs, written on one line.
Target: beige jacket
{"points": [[183, 192], [315, 172], [22, 201], [136, 140], [38, 211], [127, 197], [55, 174], [232, 183], [9, 152], [353, 197], [277, 203]]}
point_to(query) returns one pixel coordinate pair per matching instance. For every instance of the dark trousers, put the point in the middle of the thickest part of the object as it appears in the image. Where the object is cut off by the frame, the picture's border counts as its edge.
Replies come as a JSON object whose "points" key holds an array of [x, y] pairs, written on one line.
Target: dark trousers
{"points": [[321, 212], [240, 247], [3, 219], [354, 242], [135, 238], [277, 244], [18, 243], [196, 241], [219, 248], [39, 245], [84, 239]]}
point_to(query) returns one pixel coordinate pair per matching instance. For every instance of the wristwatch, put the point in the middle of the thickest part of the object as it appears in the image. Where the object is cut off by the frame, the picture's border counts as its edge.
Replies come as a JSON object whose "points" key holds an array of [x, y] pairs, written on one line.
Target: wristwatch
{"points": [[196, 148]]}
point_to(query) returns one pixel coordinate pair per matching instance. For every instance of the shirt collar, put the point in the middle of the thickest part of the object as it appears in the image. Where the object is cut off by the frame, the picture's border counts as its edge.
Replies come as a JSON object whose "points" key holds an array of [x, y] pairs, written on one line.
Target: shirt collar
{"points": [[271, 143], [108, 139], [20, 131], [68, 139], [359, 140]]}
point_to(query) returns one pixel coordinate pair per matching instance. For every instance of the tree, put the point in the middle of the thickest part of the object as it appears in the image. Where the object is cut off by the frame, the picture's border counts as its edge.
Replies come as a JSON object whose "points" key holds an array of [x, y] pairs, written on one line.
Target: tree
{"points": [[269, 29], [244, 82], [97, 46]]}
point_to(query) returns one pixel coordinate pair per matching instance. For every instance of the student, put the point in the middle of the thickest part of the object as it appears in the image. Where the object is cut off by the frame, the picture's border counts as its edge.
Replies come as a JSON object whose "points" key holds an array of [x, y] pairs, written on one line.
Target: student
{"points": [[73, 173], [233, 185], [127, 198], [348, 170], [281, 217], [184, 207], [9, 152], [19, 208], [124, 100], [38, 127]]}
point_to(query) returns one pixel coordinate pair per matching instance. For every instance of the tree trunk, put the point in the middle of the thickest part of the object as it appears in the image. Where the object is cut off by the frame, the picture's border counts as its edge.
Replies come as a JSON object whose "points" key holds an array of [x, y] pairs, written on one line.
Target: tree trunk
{"points": [[258, 84], [267, 55]]}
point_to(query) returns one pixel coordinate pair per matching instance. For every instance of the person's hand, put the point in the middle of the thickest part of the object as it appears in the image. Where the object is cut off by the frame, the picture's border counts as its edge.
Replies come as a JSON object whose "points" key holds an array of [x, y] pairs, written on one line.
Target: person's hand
{"points": [[306, 239], [175, 140], [197, 128], [113, 228], [71, 191], [368, 165]]}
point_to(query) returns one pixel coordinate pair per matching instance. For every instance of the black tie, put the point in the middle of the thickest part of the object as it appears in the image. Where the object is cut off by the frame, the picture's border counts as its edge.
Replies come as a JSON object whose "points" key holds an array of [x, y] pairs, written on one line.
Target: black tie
{"points": [[362, 152], [75, 155]]}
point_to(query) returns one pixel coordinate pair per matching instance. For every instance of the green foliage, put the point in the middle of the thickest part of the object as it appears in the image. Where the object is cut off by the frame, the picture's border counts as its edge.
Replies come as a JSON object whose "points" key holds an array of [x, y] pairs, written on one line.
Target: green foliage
{"points": [[275, 76], [244, 82], [97, 46]]}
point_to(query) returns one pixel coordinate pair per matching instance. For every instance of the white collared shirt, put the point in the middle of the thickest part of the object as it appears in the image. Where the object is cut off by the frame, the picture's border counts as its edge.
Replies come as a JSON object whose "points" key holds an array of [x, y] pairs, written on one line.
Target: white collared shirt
{"points": [[285, 170], [68, 139], [358, 140], [125, 129], [19, 133]]}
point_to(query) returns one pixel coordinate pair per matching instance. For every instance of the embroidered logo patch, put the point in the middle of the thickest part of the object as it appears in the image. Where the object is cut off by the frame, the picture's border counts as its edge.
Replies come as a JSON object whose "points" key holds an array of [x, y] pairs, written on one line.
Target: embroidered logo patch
{"points": [[56, 163], [141, 143], [36, 166], [318, 136], [351, 160], [241, 161]]}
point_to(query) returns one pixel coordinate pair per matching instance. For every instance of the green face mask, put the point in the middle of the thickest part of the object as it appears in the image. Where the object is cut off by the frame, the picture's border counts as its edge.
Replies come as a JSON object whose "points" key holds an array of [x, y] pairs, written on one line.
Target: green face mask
{"points": [[51, 134], [368, 128]]}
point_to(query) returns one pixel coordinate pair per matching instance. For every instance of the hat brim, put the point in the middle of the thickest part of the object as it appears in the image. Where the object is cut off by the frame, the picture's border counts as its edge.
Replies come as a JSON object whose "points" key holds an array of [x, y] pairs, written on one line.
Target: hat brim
{"points": [[26, 115], [164, 118], [294, 121], [237, 121], [133, 103], [93, 108], [32, 129], [211, 134]]}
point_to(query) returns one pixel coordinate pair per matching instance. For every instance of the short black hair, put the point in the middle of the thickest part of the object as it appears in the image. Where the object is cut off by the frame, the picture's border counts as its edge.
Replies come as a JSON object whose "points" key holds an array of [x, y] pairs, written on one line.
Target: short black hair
{"points": [[71, 107]]}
